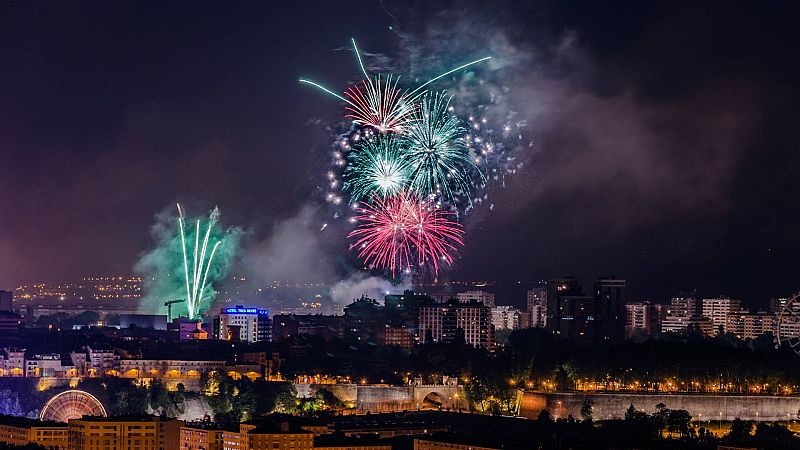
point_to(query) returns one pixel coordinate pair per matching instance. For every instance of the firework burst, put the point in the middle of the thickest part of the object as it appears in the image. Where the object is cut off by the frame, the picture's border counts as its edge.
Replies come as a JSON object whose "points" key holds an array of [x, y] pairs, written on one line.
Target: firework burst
{"points": [[378, 167], [379, 103], [401, 233], [435, 145], [196, 272]]}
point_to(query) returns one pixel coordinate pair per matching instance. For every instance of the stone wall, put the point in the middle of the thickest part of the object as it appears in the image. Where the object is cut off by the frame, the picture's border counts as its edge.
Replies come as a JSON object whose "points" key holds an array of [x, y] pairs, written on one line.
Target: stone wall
{"points": [[701, 407], [389, 398]]}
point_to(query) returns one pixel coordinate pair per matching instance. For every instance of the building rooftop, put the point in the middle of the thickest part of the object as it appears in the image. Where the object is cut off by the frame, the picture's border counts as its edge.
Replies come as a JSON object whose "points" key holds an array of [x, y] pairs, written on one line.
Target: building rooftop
{"points": [[25, 422]]}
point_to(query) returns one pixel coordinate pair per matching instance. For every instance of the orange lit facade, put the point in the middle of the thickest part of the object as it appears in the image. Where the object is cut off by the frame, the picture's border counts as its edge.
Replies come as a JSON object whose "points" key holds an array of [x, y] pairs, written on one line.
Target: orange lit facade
{"points": [[121, 433], [19, 431], [422, 444]]}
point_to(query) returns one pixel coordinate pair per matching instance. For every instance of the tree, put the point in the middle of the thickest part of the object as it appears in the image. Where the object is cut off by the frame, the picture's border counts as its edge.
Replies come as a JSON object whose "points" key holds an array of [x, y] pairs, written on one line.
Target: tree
{"points": [[740, 432], [678, 421], [586, 409]]}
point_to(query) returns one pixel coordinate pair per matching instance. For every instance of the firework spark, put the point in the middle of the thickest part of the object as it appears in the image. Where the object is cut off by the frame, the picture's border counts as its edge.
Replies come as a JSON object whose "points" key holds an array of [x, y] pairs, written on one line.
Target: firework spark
{"points": [[377, 167], [196, 271], [378, 102], [438, 154], [402, 233]]}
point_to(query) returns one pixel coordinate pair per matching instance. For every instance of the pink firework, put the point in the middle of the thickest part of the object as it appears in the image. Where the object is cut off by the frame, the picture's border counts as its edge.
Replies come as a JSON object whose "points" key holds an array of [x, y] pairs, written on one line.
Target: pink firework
{"points": [[400, 232], [380, 104]]}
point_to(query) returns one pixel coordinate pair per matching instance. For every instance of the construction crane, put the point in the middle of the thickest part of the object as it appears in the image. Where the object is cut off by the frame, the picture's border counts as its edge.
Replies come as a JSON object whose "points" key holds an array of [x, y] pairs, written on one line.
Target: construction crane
{"points": [[169, 304]]}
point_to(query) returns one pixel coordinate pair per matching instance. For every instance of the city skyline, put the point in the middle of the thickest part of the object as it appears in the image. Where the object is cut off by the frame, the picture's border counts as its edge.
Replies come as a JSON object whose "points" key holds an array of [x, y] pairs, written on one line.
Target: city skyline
{"points": [[668, 182]]}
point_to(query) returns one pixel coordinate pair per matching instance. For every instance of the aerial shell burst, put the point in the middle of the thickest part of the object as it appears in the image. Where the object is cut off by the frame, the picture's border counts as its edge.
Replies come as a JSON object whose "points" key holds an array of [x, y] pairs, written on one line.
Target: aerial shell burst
{"points": [[378, 166], [379, 103], [435, 146], [408, 168], [402, 234]]}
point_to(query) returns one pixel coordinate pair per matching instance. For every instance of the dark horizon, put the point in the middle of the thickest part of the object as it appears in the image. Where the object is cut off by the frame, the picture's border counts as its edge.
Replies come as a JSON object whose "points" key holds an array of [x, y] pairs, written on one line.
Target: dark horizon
{"points": [[663, 136]]}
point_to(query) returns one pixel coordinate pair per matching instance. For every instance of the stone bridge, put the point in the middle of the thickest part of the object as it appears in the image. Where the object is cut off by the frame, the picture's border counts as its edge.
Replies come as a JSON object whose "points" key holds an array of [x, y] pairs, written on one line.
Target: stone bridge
{"points": [[382, 398]]}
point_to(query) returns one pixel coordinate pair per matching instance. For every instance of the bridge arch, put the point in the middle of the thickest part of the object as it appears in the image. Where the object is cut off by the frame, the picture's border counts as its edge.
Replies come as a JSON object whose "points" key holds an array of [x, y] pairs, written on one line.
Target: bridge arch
{"points": [[72, 404]]}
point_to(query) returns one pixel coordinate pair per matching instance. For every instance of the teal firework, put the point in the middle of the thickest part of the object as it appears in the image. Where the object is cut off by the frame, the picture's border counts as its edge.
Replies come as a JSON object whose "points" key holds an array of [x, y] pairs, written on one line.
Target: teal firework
{"points": [[440, 161], [378, 166]]}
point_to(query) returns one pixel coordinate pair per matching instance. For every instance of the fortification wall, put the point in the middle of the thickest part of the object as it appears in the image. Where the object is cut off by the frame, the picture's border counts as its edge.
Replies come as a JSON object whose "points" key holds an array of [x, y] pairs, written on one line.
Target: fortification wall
{"points": [[701, 407]]}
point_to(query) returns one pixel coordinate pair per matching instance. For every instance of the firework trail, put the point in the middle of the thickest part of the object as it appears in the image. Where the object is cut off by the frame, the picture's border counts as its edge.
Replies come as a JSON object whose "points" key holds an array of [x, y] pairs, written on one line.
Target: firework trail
{"points": [[401, 233], [378, 166], [197, 278], [437, 151], [379, 103]]}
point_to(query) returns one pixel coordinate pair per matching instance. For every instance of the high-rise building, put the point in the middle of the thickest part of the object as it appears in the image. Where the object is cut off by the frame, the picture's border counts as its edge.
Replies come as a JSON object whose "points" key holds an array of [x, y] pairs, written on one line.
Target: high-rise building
{"points": [[363, 320], [609, 295], [243, 324], [556, 290], [506, 318], [576, 318], [747, 325], [643, 318], [718, 309], [445, 322], [537, 307], [487, 298], [678, 312]]}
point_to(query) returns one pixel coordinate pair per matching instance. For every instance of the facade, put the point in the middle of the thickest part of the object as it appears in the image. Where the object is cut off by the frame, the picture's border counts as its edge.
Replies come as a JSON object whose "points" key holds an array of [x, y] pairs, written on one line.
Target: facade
{"points": [[262, 435], [576, 318], [398, 335], [21, 431], [199, 437], [445, 322], [609, 309], [487, 298], [537, 308], [167, 368], [556, 290], [643, 318], [123, 433], [506, 318], [243, 324], [718, 309]]}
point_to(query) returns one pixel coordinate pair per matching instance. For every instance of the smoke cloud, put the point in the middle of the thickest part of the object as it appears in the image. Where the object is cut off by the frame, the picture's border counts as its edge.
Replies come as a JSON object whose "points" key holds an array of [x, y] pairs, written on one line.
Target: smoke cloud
{"points": [[163, 266]]}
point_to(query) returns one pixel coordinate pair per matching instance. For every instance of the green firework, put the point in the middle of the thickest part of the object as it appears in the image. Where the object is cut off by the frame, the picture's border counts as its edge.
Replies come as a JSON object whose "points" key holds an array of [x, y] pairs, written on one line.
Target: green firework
{"points": [[440, 162], [186, 263], [378, 166]]}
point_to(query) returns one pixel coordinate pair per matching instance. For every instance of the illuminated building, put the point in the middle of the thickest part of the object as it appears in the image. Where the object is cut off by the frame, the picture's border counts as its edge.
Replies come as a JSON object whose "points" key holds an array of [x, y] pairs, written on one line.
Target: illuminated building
{"points": [[167, 368], [643, 318], [444, 322], [21, 431], [537, 308], [505, 318], [124, 433], [487, 298], [718, 309], [243, 324], [12, 363], [398, 335], [202, 437], [267, 435]]}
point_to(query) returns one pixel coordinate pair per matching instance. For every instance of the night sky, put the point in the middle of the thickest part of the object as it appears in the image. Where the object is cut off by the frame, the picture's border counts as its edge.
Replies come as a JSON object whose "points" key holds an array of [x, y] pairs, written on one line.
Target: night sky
{"points": [[665, 139]]}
